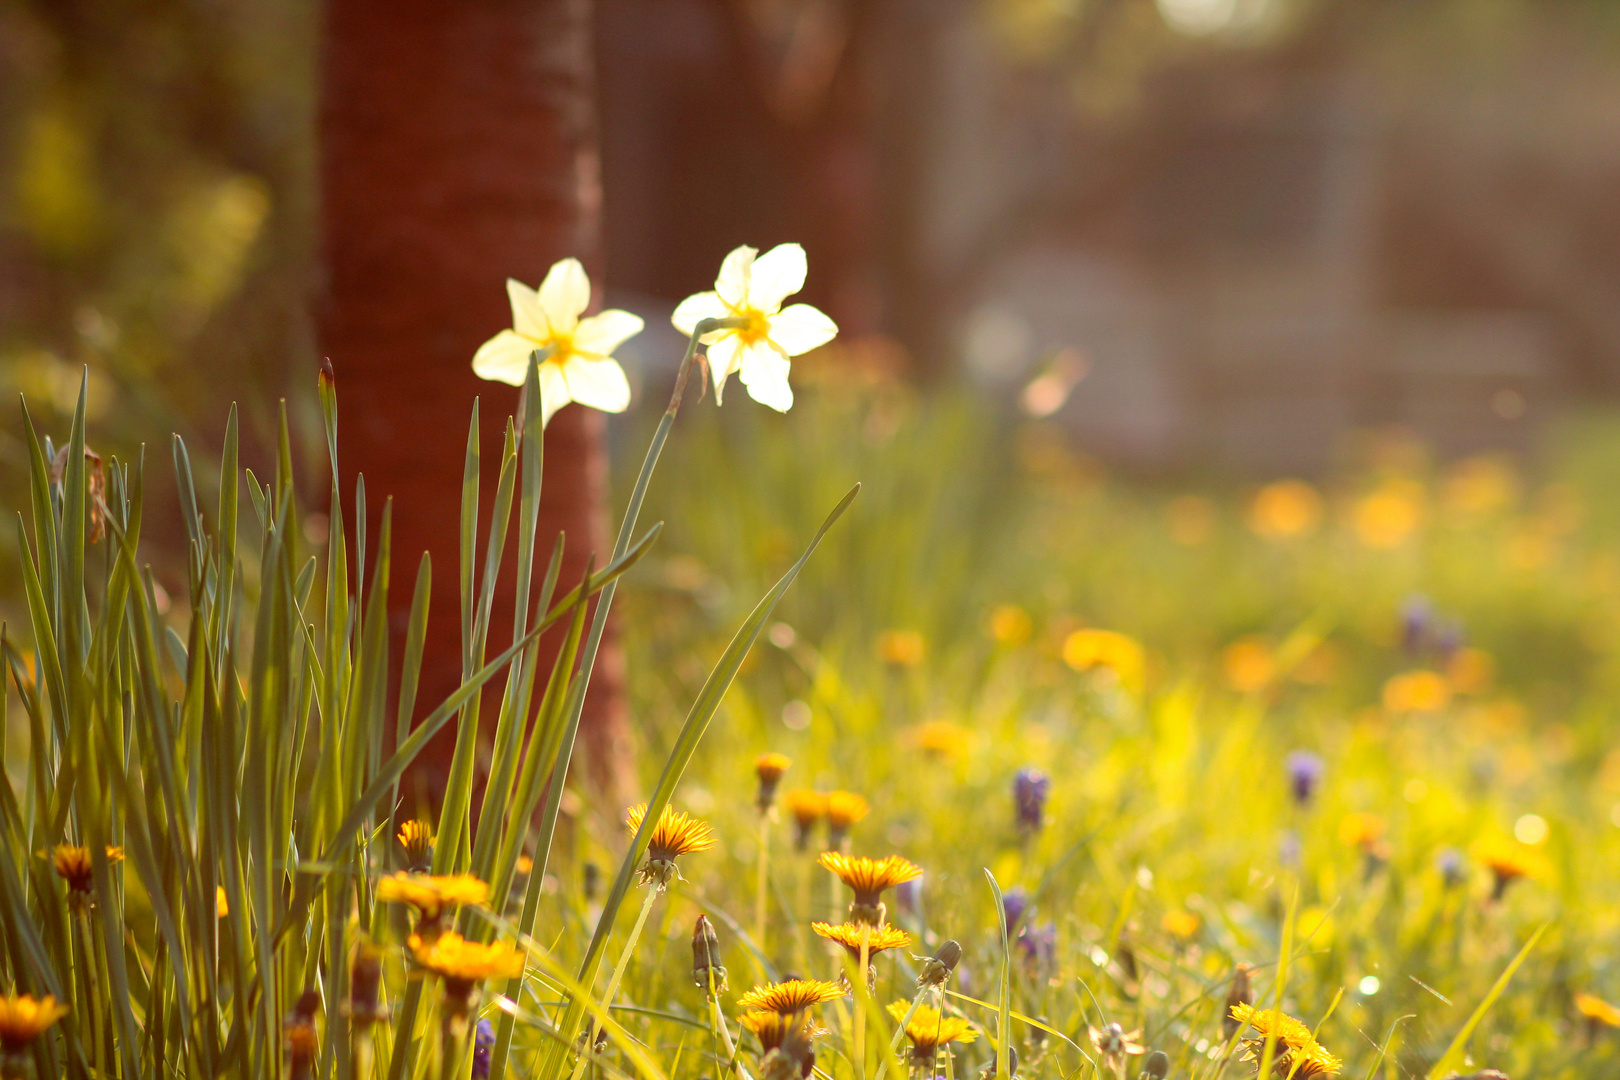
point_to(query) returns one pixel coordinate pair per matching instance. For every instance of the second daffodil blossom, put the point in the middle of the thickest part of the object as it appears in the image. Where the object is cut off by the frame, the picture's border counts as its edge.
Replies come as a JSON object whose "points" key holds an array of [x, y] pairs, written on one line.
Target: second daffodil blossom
{"points": [[580, 366], [753, 289]]}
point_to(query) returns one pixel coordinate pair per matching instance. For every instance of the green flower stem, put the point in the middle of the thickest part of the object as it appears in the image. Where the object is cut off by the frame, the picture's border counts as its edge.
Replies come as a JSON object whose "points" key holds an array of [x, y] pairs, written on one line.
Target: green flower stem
{"points": [[764, 876], [717, 1022], [618, 971], [860, 1001]]}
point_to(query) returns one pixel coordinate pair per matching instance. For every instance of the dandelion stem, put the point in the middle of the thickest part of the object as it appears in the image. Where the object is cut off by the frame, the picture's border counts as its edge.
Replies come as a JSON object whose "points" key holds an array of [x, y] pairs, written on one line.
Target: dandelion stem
{"points": [[764, 873], [618, 970], [860, 1001], [717, 1024]]}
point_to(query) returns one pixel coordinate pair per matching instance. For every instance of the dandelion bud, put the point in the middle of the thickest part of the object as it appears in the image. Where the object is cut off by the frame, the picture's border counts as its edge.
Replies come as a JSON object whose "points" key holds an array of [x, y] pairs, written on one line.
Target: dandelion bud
{"points": [[1030, 789], [937, 968], [1239, 994], [706, 970], [1156, 1066], [416, 837], [769, 768], [1304, 773]]}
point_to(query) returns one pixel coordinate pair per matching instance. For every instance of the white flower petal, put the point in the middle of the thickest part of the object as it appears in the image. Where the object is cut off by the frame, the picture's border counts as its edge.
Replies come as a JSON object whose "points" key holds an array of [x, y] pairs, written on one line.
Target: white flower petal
{"points": [[732, 284], [777, 275], [553, 391], [799, 328], [600, 334], [598, 383], [564, 294], [527, 317], [765, 372], [724, 356], [504, 358], [697, 307]]}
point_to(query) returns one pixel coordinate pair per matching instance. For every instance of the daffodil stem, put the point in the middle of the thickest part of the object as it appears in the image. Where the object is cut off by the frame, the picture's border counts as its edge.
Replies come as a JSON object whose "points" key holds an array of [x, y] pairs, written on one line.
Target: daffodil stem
{"points": [[764, 876], [618, 973], [900, 1032]]}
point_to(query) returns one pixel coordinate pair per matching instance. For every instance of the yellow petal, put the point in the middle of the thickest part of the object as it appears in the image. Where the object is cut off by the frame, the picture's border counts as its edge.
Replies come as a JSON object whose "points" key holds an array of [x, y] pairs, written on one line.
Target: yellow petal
{"points": [[599, 384], [764, 371], [527, 317], [600, 334], [504, 358], [564, 294], [732, 284], [697, 307], [776, 275], [800, 328], [724, 356]]}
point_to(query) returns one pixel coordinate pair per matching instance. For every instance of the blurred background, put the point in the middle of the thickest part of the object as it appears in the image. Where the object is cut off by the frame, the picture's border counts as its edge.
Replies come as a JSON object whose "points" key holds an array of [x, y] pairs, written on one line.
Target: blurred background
{"points": [[1200, 234]]}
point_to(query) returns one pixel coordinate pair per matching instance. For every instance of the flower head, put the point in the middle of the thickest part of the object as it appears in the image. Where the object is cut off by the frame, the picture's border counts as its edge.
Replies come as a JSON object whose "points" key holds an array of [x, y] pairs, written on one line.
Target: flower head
{"points": [[74, 865], [580, 366], [1364, 831], [772, 1028], [1113, 1041], [793, 996], [677, 833], [1298, 1053], [1014, 905], [416, 837], [432, 896], [869, 878], [1596, 1009], [1030, 789], [463, 964], [937, 968], [928, 1030], [1304, 773], [483, 1048], [707, 971], [751, 288], [23, 1019], [769, 768], [807, 808], [902, 648], [941, 739], [878, 938], [1417, 691], [844, 808], [1181, 923], [1508, 861]]}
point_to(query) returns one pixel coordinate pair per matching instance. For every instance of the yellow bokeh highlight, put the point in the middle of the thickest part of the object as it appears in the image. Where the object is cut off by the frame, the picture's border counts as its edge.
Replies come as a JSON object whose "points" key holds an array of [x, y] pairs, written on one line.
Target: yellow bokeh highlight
{"points": [[1285, 509]]}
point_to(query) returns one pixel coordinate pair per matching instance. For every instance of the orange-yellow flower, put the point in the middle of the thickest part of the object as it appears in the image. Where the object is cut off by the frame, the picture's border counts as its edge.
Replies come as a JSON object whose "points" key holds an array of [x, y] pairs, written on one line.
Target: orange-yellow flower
{"points": [[869, 878], [878, 938], [461, 963], [432, 896], [1298, 1054], [927, 1030], [1089, 648], [1180, 923], [1010, 625], [416, 837], [795, 995], [1362, 830], [1417, 691], [771, 1027], [677, 833], [941, 738], [1248, 664], [901, 648], [1595, 1008], [1285, 509], [24, 1019]]}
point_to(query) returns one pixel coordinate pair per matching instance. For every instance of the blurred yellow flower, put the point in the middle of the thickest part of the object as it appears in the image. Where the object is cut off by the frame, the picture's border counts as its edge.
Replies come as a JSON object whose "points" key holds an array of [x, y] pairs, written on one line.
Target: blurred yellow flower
{"points": [[845, 808], [24, 1019], [940, 738], [1385, 517], [74, 865], [769, 767], [1595, 1008], [1507, 859], [1284, 509], [1480, 485], [222, 906], [1191, 519], [1248, 664], [580, 366], [1470, 670], [1181, 923], [1417, 691], [430, 895], [806, 806], [1011, 625], [1362, 830], [1088, 648], [457, 960], [753, 288], [901, 648]]}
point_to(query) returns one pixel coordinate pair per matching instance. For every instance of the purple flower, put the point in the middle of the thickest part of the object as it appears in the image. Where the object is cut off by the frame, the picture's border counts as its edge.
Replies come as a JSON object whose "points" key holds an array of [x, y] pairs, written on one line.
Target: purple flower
{"points": [[483, 1046], [1304, 773], [1417, 622], [1452, 869], [1039, 944], [1014, 903], [1030, 788]]}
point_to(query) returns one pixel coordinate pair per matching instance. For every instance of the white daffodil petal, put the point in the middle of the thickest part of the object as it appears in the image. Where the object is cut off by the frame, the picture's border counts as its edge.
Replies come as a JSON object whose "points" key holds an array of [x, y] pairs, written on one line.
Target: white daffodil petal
{"points": [[764, 371], [697, 307], [798, 328], [600, 334], [565, 294], [553, 391], [724, 356], [598, 383], [732, 284], [777, 275], [527, 317], [504, 358]]}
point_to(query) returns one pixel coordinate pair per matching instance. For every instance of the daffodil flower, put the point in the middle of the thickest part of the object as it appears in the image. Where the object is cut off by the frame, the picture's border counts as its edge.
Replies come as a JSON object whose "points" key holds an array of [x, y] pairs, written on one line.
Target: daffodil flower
{"points": [[580, 365], [753, 289]]}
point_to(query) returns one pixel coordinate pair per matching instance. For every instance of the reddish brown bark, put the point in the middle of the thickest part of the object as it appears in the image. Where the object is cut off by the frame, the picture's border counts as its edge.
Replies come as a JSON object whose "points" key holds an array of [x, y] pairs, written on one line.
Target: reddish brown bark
{"points": [[459, 148]]}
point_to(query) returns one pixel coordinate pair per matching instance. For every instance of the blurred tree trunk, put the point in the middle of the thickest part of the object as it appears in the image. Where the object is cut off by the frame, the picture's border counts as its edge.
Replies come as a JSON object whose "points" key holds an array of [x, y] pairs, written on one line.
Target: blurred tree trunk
{"points": [[459, 148]]}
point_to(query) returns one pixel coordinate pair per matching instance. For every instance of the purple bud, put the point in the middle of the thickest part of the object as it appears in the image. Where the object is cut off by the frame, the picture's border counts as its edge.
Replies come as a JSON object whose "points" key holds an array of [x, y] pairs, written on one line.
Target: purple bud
{"points": [[1014, 903], [1030, 788], [1304, 773], [483, 1046]]}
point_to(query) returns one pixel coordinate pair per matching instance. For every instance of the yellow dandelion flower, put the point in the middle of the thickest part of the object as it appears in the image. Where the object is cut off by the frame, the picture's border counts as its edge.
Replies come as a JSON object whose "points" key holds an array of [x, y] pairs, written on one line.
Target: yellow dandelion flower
{"points": [[23, 1019], [1508, 861], [770, 767], [845, 808], [1595, 1008], [1470, 670], [901, 648], [928, 1030], [74, 865], [793, 996], [1087, 649], [1248, 664], [524, 864], [416, 837], [1385, 517], [677, 833], [1180, 923], [1480, 485], [1362, 830], [432, 896], [1285, 509], [460, 962], [941, 738], [1417, 691], [869, 878], [1010, 625], [878, 938], [771, 1028], [807, 807], [1298, 1053], [222, 906]]}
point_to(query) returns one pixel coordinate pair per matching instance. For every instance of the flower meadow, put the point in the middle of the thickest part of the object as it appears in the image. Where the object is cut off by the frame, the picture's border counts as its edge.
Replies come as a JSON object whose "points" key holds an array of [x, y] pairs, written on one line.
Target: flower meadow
{"points": [[1009, 767]]}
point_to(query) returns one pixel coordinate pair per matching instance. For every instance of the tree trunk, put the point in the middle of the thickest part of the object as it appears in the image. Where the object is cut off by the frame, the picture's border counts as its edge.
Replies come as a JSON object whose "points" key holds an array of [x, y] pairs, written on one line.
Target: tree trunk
{"points": [[459, 148]]}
